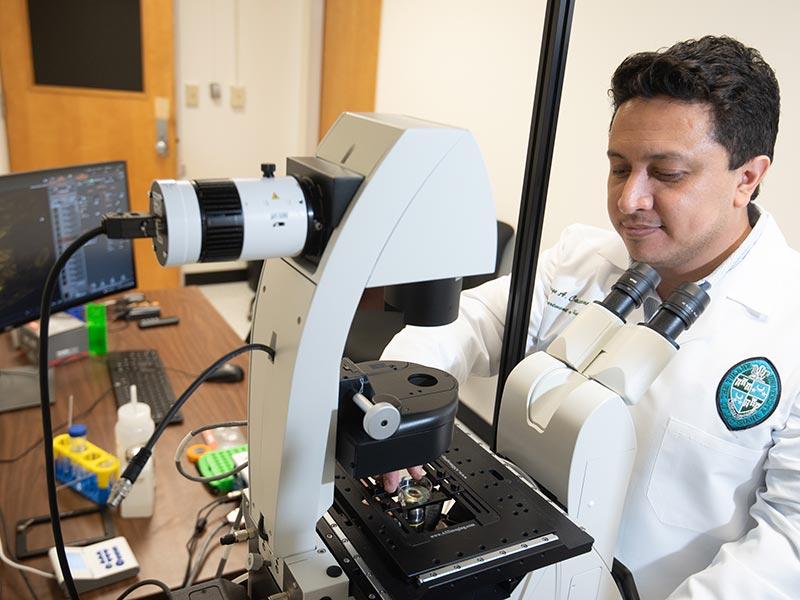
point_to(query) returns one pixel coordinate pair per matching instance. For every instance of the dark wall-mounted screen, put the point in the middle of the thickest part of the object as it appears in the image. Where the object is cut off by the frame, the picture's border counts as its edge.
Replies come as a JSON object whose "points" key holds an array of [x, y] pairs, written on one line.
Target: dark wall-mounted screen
{"points": [[87, 43]]}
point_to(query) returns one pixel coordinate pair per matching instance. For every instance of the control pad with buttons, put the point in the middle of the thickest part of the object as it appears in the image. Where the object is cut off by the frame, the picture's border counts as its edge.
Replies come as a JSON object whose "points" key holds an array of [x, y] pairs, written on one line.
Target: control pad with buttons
{"points": [[97, 565]]}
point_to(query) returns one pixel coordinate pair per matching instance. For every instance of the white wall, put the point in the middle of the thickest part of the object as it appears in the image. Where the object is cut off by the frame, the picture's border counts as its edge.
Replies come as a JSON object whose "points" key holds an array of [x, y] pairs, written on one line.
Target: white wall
{"points": [[271, 47], [3, 141], [469, 64]]}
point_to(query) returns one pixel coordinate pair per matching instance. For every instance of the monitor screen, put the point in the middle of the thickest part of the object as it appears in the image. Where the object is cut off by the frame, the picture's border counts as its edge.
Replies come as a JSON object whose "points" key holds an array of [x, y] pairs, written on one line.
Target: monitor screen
{"points": [[41, 213]]}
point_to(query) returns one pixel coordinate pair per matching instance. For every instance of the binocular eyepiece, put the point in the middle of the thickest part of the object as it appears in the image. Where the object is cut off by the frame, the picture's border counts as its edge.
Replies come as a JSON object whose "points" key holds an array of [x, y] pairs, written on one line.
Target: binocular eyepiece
{"points": [[675, 315], [630, 289], [679, 311]]}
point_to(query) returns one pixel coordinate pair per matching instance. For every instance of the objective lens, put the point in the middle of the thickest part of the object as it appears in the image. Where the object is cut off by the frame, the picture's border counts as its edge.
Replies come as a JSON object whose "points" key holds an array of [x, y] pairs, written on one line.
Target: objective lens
{"points": [[630, 289], [679, 311], [412, 493]]}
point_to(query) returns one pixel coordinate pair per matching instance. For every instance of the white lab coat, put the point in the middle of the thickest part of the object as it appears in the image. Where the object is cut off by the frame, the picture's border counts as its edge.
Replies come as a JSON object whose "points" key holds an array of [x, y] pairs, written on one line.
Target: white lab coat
{"points": [[710, 512]]}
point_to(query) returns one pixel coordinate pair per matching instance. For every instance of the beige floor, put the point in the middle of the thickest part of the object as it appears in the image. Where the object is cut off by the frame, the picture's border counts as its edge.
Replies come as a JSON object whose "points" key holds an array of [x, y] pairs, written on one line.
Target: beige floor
{"points": [[232, 301]]}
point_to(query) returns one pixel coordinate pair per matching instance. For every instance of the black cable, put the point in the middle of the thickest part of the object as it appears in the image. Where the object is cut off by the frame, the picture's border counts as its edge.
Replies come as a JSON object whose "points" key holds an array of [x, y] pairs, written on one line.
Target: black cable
{"points": [[128, 226], [164, 588], [20, 571], [209, 508], [199, 380], [191, 546], [199, 527], [32, 447], [206, 551], [44, 390], [225, 553]]}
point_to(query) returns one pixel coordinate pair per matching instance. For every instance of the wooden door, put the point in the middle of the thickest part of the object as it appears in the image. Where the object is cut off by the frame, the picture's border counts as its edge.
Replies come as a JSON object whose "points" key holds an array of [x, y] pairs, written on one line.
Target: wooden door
{"points": [[349, 59], [51, 125]]}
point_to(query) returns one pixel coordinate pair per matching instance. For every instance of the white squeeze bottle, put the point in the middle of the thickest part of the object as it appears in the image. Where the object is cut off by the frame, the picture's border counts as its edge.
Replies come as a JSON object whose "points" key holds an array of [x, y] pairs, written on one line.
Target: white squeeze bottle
{"points": [[134, 427]]}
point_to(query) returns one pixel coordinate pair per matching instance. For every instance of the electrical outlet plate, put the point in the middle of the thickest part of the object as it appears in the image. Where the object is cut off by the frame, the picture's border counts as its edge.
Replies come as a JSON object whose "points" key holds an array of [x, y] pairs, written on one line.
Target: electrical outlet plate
{"points": [[237, 96], [192, 93]]}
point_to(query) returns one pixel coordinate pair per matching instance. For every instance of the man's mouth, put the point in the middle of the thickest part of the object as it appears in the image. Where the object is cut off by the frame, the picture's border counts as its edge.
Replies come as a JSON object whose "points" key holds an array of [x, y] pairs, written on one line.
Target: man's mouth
{"points": [[639, 230]]}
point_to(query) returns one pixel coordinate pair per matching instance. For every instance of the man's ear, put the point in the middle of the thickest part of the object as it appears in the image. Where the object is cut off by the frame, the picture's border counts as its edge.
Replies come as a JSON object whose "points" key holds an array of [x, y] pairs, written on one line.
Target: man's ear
{"points": [[750, 175]]}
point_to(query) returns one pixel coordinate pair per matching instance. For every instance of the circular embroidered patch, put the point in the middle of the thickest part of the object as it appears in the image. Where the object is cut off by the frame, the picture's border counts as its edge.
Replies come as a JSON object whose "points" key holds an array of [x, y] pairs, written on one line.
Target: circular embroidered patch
{"points": [[748, 393]]}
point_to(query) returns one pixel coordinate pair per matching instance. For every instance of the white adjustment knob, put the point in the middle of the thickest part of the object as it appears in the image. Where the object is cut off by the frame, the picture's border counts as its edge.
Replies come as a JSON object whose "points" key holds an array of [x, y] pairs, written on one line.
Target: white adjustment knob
{"points": [[254, 561], [381, 420]]}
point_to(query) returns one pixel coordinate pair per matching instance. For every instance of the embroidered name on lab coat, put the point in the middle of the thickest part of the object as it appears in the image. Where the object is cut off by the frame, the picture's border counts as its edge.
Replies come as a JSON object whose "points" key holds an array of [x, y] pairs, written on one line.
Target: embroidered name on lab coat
{"points": [[566, 301]]}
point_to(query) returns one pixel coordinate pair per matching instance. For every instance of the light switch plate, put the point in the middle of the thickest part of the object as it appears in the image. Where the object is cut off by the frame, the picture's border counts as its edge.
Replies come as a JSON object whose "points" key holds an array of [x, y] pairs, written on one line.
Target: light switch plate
{"points": [[192, 93], [237, 96]]}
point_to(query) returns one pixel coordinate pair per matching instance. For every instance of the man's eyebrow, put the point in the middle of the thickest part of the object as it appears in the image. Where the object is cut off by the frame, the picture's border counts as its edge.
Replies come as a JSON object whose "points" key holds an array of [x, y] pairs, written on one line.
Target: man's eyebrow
{"points": [[657, 156]]}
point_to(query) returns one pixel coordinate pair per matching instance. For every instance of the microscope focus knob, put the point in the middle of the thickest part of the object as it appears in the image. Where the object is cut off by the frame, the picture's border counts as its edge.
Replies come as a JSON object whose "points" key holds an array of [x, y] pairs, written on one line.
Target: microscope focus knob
{"points": [[381, 419]]}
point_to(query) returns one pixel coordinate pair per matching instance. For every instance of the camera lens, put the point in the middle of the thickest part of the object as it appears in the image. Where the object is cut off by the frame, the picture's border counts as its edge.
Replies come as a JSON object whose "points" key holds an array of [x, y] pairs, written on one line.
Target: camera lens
{"points": [[630, 289], [679, 311]]}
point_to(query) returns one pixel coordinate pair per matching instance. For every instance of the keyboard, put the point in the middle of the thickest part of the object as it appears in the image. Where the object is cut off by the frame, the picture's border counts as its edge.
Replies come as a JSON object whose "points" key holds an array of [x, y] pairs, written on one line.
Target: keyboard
{"points": [[142, 368]]}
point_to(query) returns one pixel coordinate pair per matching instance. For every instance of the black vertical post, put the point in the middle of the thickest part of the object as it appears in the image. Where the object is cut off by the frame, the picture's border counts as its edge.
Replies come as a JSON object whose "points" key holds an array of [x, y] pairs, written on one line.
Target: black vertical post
{"points": [[549, 81]]}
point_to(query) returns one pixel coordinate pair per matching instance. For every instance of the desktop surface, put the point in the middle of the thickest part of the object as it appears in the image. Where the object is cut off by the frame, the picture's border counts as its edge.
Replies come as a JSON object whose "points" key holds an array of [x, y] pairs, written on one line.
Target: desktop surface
{"points": [[157, 542]]}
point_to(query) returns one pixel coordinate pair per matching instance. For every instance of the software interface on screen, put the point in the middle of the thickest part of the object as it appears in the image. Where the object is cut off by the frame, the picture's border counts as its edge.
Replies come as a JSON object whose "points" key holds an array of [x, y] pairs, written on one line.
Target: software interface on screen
{"points": [[41, 213]]}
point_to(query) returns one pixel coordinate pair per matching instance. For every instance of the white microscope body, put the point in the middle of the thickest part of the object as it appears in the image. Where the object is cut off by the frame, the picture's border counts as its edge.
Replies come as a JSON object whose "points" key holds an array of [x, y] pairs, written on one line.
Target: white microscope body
{"points": [[416, 206], [422, 211], [564, 420]]}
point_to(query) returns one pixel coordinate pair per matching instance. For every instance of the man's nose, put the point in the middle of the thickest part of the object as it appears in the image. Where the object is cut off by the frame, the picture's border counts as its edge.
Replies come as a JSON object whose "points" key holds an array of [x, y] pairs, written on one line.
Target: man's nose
{"points": [[636, 194]]}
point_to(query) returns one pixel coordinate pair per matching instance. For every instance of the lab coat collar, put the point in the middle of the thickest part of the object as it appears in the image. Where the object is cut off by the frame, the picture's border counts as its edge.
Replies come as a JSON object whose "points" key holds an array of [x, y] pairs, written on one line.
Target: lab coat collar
{"points": [[616, 253], [732, 276], [758, 262]]}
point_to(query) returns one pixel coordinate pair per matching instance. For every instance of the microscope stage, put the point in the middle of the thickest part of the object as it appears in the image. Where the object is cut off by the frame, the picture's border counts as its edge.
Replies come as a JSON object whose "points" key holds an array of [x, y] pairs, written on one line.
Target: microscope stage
{"points": [[477, 531]]}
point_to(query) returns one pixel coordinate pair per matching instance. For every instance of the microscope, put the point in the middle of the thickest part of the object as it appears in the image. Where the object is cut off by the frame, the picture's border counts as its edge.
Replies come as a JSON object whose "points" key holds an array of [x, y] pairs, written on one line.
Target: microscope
{"points": [[564, 420], [391, 201]]}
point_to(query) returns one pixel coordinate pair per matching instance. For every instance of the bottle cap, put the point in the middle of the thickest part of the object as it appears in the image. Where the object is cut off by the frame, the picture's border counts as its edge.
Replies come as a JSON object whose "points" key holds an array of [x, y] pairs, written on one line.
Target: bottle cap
{"points": [[77, 430]]}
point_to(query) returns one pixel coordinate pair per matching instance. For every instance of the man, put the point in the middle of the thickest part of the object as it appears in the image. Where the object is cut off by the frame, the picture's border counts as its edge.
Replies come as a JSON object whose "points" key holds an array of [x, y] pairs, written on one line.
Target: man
{"points": [[713, 507]]}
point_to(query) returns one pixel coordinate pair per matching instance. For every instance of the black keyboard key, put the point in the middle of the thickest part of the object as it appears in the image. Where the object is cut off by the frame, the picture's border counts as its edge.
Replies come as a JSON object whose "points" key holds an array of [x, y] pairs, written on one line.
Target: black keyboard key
{"points": [[142, 368]]}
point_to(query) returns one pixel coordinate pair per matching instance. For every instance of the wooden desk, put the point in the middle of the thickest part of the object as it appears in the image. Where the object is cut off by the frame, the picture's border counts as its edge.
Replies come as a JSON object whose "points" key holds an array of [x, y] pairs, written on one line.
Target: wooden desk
{"points": [[186, 349]]}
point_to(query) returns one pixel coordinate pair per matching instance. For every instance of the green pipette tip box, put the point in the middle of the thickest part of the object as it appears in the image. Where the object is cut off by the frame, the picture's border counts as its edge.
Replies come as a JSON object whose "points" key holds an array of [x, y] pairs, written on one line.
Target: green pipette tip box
{"points": [[216, 462]]}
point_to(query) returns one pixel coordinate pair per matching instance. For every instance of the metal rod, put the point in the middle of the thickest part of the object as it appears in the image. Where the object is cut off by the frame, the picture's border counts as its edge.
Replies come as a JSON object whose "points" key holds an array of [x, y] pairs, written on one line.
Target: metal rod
{"points": [[549, 81]]}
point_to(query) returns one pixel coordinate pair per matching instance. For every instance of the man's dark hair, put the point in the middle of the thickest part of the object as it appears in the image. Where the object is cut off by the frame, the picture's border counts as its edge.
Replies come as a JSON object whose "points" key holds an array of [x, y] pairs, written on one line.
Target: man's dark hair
{"points": [[734, 80]]}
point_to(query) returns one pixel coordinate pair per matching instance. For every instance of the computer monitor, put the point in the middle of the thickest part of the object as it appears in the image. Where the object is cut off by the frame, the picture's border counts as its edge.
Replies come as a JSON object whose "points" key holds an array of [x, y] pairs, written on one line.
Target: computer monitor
{"points": [[41, 213]]}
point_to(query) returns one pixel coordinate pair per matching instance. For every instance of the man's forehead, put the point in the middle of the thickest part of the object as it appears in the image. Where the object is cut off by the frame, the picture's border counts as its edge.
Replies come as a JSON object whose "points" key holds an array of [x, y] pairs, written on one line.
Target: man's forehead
{"points": [[659, 108], [655, 155], [659, 129]]}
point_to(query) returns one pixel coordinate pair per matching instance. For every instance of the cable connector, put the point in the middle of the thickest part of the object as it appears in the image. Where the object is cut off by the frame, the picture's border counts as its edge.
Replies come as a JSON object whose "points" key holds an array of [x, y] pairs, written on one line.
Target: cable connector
{"points": [[241, 535], [129, 225], [122, 486], [120, 489]]}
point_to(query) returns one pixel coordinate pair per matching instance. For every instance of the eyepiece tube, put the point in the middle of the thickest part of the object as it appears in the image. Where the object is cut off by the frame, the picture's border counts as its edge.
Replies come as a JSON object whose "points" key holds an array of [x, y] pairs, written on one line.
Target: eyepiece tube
{"points": [[630, 289], [679, 311], [228, 219]]}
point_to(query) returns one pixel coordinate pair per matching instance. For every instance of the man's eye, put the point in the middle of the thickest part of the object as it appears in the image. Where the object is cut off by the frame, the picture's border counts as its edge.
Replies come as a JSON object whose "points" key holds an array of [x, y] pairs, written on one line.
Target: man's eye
{"points": [[620, 172], [668, 175]]}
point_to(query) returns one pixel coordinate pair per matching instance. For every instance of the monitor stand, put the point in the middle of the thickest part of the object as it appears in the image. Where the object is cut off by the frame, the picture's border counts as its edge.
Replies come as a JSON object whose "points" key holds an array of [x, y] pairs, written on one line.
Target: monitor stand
{"points": [[19, 387]]}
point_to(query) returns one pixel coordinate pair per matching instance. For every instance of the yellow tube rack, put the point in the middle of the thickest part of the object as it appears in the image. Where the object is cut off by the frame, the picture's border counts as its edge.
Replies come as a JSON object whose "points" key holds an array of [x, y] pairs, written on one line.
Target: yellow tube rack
{"points": [[90, 471]]}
